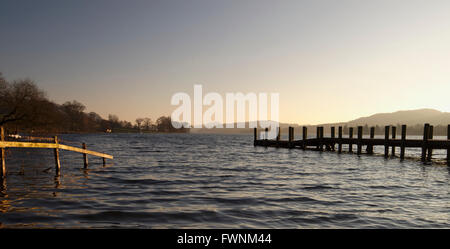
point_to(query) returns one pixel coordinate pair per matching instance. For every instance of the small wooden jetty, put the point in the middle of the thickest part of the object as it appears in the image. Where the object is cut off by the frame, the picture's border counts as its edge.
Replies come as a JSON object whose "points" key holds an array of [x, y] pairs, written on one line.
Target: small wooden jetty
{"points": [[53, 143], [321, 143]]}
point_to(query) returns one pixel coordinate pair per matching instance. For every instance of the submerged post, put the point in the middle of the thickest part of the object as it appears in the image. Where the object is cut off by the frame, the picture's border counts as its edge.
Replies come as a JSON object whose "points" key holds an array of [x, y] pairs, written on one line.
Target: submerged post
{"points": [[350, 135], [305, 136], [394, 134], [360, 135], [2, 154], [317, 137], [426, 128], [333, 135], [340, 139], [255, 136], [321, 138], [372, 136], [85, 157], [402, 148], [386, 141], [57, 162], [291, 136], [430, 149]]}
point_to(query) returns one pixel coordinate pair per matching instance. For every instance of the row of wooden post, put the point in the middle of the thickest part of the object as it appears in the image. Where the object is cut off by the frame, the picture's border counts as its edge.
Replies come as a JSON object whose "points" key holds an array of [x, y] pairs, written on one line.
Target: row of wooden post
{"points": [[56, 156], [427, 151]]}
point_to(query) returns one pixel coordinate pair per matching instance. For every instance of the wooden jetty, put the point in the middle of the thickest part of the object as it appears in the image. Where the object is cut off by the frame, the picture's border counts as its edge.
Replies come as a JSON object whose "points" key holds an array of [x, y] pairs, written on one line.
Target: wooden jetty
{"points": [[54, 144], [321, 143]]}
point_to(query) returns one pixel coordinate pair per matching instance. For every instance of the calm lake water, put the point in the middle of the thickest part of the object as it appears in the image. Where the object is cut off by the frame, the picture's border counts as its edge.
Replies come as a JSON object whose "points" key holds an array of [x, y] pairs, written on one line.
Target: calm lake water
{"points": [[219, 181]]}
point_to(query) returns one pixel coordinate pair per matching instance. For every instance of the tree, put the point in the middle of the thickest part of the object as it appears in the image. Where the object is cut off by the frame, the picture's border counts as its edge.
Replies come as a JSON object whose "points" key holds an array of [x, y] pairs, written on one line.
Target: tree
{"points": [[147, 124], [139, 122], [75, 113], [20, 101], [113, 121]]}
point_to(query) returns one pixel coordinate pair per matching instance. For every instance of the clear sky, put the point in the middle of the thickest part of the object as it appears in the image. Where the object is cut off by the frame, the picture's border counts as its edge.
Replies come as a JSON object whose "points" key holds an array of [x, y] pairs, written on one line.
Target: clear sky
{"points": [[329, 60]]}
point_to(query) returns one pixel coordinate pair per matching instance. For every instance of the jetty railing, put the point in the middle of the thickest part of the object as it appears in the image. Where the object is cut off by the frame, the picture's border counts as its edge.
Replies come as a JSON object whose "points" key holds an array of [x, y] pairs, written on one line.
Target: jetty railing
{"points": [[321, 143], [55, 145]]}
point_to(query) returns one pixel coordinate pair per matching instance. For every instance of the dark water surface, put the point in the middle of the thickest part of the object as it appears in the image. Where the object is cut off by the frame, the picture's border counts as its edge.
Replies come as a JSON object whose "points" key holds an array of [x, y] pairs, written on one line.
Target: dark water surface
{"points": [[219, 181]]}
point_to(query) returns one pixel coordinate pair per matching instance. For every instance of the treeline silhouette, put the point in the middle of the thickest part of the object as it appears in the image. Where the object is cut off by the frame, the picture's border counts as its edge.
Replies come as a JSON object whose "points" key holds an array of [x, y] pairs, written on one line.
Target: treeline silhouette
{"points": [[25, 108]]}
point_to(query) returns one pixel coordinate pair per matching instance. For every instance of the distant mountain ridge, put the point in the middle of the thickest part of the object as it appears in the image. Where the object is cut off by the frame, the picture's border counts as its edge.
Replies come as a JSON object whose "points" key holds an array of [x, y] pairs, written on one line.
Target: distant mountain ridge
{"points": [[409, 117]]}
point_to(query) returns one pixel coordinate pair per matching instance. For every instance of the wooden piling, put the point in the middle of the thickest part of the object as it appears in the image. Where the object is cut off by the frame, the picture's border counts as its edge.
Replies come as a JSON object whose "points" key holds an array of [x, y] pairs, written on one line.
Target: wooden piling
{"points": [[279, 133], [57, 162], [304, 136], [425, 141], [360, 135], [394, 134], [292, 145], [350, 135], [340, 139], [255, 136], [266, 133], [430, 149], [290, 134], [104, 160], [2, 154], [318, 137], [386, 141], [85, 157], [402, 148], [372, 136], [333, 135], [321, 138]]}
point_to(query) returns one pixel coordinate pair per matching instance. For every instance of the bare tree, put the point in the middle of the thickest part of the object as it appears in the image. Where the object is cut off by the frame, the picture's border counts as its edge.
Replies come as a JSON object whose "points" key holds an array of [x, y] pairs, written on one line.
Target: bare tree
{"points": [[75, 112], [19, 101], [147, 123], [114, 121], [139, 122]]}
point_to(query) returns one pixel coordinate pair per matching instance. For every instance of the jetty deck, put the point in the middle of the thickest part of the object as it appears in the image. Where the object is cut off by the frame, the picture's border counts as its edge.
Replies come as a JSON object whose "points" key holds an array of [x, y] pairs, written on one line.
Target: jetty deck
{"points": [[335, 143]]}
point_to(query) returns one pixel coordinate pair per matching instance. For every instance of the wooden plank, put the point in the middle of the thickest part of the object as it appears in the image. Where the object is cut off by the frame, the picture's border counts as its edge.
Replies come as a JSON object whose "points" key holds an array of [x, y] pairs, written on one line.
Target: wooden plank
{"points": [[8, 144], [75, 149], [386, 141], [2, 154], [402, 148], [425, 141], [340, 139]]}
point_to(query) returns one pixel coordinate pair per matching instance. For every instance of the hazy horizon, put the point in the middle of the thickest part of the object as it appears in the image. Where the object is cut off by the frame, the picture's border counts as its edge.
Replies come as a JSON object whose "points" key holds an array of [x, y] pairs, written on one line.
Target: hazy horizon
{"points": [[330, 61]]}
